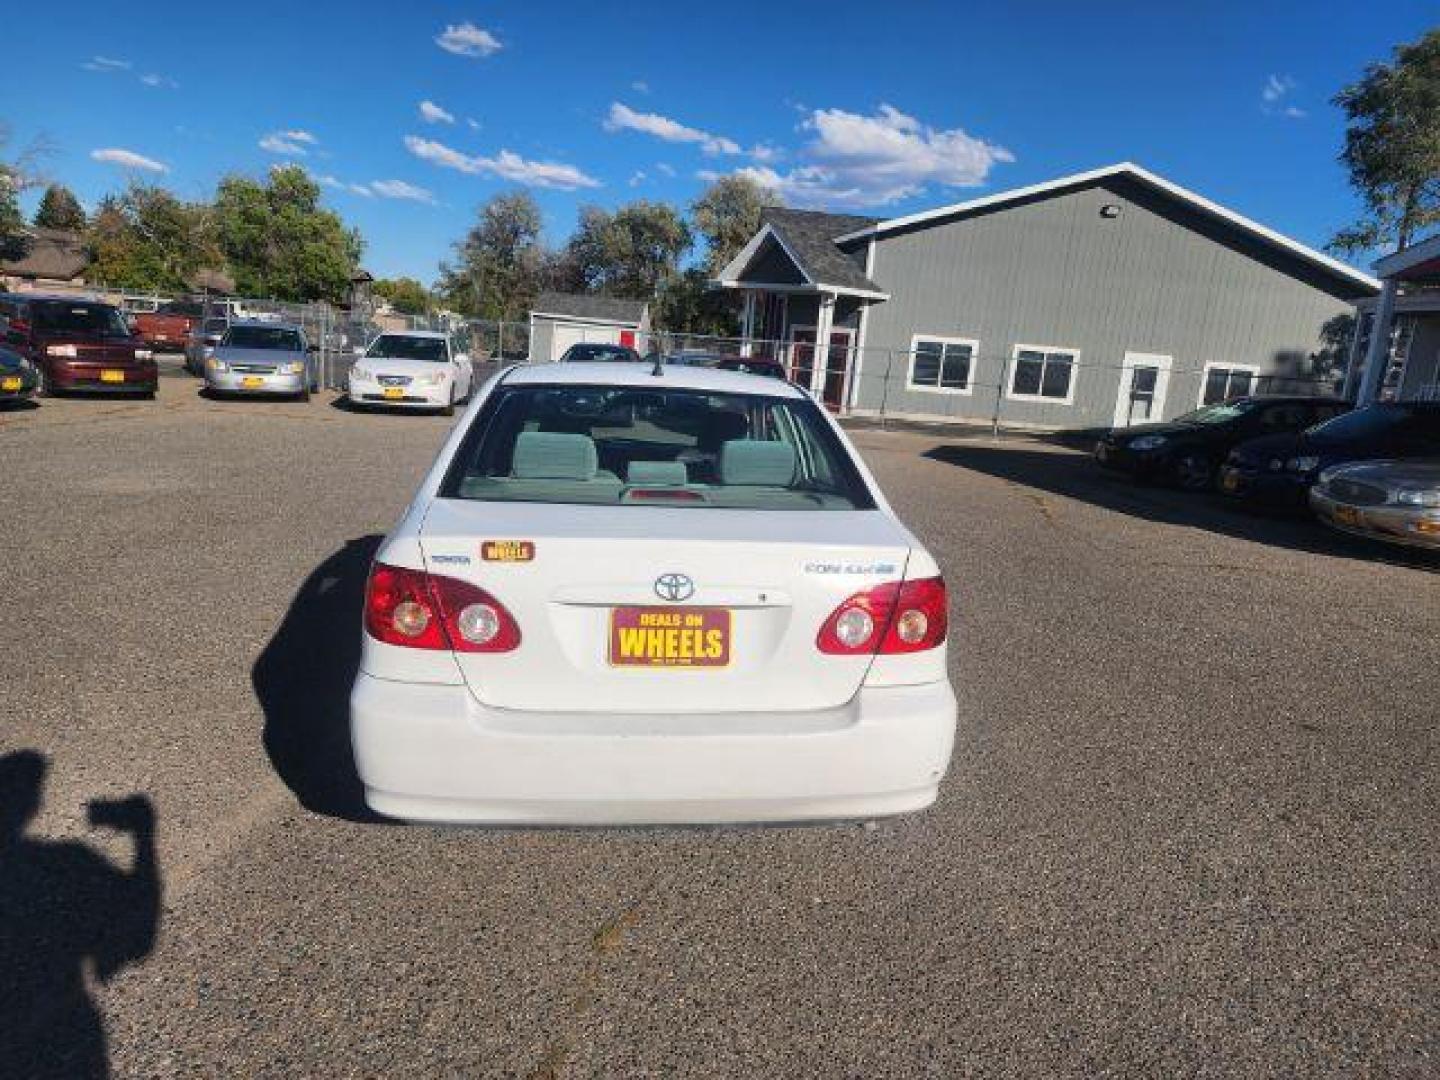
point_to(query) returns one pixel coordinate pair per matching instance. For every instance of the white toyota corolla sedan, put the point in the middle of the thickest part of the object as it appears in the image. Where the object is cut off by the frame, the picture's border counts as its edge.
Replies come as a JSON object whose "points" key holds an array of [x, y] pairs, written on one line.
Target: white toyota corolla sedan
{"points": [[411, 369], [636, 595]]}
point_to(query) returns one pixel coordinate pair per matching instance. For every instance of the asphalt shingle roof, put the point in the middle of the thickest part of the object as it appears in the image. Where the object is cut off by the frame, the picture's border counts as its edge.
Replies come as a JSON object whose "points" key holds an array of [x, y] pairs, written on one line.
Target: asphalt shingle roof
{"points": [[811, 234], [587, 306], [53, 254]]}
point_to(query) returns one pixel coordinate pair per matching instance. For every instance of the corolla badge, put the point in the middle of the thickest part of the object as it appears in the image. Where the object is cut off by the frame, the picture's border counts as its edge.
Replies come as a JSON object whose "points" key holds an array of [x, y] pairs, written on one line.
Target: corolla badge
{"points": [[674, 587]]}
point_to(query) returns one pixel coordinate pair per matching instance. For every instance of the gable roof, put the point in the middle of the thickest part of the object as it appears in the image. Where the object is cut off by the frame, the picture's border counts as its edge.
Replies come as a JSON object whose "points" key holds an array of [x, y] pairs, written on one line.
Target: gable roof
{"points": [[54, 254], [1135, 172], [609, 309], [808, 239]]}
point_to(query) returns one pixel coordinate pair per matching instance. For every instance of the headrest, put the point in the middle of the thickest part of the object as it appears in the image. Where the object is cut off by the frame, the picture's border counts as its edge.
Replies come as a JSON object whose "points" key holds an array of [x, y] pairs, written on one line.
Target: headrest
{"points": [[656, 473], [553, 455], [756, 463]]}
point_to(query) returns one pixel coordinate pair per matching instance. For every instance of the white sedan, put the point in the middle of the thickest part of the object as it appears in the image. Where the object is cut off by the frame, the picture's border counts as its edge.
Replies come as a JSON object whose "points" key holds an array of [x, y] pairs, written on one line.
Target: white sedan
{"points": [[417, 369], [636, 595]]}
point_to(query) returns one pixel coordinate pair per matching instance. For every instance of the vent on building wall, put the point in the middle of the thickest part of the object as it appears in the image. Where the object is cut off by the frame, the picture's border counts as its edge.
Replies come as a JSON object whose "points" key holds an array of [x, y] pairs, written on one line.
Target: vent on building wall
{"points": [[1110, 210]]}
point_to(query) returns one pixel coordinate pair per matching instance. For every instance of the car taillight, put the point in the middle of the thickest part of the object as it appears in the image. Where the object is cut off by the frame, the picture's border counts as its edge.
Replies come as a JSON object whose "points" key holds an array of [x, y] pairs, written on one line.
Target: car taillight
{"points": [[898, 617], [430, 611]]}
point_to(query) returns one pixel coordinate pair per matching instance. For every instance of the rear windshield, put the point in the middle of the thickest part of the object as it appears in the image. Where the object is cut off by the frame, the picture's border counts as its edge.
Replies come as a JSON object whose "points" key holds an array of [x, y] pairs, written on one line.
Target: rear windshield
{"points": [[262, 337], [598, 353], [62, 316], [629, 446], [404, 347]]}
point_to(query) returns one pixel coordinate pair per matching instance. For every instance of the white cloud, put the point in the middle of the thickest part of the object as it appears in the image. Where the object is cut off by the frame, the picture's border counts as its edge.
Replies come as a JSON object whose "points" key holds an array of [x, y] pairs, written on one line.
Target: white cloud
{"points": [[666, 168], [288, 143], [860, 161], [128, 159], [1275, 97], [623, 118], [152, 79], [467, 39], [344, 185], [106, 63], [399, 189], [434, 114], [506, 165], [640, 86], [474, 124], [638, 177]]}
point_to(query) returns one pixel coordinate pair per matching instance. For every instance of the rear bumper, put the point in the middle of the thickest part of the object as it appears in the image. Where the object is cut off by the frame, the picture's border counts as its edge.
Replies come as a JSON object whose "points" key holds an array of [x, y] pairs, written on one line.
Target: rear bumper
{"points": [[429, 752], [133, 379]]}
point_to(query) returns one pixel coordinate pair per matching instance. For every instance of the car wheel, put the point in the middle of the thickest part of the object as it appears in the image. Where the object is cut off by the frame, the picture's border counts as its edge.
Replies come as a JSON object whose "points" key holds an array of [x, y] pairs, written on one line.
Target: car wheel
{"points": [[449, 409], [305, 394], [46, 387], [1194, 471]]}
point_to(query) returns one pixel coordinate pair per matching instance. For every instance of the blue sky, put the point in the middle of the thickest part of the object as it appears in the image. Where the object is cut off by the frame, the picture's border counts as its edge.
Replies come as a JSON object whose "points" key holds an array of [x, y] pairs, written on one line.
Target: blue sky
{"points": [[874, 108]]}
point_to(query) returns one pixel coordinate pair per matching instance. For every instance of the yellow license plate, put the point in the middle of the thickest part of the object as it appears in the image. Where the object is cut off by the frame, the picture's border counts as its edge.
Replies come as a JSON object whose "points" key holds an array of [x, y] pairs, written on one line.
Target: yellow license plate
{"points": [[109, 375], [669, 637], [1347, 516], [9, 384], [394, 393], [252, 382]]}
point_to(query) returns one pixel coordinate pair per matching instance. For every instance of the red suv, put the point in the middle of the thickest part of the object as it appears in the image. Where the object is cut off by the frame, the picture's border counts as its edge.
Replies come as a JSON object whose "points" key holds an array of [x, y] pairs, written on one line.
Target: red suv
{"points": [[77, 344]]}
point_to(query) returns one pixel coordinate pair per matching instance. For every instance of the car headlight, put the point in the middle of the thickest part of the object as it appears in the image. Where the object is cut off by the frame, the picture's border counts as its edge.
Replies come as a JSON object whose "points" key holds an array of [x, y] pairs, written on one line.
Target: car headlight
{"points": [[1427, 499], [1303, 464], [144, 354], [61, 350], [1275, 464], [435, 378], [1149, 442], [358, 372], [295, 367], [216, 364]]}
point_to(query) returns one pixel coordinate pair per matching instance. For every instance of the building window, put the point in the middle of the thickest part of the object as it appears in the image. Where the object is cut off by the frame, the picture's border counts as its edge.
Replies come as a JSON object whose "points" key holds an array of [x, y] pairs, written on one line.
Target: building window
{"points": [[1221, 382], [941, 364], [1044, 373]]}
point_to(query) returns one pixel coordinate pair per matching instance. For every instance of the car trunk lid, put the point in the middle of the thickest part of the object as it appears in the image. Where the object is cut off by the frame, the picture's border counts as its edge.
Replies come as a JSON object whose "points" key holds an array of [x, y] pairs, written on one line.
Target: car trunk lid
{"points": [[591, 588]]}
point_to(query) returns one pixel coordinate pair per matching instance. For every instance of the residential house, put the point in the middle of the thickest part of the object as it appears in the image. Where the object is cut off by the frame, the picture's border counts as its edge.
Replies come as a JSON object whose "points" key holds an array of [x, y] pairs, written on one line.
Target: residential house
{"points": [[1402, 361], [559, 320]]}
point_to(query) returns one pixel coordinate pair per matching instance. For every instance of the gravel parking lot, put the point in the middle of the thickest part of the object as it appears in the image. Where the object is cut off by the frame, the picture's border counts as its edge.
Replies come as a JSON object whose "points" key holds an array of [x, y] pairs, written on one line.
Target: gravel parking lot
{"points": [[1190, 828]]}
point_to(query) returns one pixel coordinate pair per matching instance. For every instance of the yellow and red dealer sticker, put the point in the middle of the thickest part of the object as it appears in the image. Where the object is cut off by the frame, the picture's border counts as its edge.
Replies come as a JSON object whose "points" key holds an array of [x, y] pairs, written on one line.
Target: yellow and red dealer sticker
{"points": [[508, 551], [669, 637]]}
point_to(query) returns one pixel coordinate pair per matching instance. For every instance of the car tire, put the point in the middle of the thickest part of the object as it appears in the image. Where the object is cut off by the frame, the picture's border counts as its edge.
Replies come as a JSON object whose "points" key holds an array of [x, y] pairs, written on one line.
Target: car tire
{"points": [[305, 394], [449, 409], [1193, 471], [46, 389]]}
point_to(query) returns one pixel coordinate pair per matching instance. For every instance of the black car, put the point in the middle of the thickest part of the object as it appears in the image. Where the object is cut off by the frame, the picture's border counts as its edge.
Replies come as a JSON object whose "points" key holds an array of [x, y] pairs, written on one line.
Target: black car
{"points": [[1186, 451], [18, 379], [751, 365], [1276, 472]]}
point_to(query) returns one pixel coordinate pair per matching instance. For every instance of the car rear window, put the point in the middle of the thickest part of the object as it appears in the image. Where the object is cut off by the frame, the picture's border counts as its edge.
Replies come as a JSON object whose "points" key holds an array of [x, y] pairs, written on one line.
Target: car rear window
{"points": [[67, 317], [631, 446], [597, 353], [262, 337]]}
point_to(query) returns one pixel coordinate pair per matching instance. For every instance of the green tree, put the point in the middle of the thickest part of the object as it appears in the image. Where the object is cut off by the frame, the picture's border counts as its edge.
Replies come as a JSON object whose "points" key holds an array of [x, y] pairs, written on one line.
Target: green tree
{"points": [[406, 295], [280, 242], [12, 221], [146, 238], [60, 209], [727, 215], [499, 262], [630, 252], [688, 304], [1392, 147]]}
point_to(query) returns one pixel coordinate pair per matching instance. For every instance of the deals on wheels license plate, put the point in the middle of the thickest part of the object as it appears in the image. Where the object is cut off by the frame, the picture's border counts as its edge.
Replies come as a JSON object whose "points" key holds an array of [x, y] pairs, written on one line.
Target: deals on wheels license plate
{"points": [[252, 382], [110, 375], [669, 637]]}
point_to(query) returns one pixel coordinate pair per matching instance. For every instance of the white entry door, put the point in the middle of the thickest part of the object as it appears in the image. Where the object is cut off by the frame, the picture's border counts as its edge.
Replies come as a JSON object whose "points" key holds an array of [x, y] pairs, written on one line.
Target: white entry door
{"points": [[1144, 379]]}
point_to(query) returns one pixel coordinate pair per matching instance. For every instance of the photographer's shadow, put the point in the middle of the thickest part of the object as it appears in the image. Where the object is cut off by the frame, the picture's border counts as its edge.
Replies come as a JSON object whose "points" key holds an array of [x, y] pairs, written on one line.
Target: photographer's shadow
{"points": [[66, 912], [302, 681]]}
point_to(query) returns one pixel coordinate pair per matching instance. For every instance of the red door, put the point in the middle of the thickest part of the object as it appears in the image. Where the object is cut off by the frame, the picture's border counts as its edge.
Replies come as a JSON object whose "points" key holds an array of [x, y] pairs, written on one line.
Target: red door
{"points": [[837, 369], [802, 356]]}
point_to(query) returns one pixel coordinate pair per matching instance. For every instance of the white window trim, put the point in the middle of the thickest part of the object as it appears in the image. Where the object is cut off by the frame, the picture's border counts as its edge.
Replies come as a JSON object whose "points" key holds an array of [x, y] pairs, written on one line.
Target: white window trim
{"points": [[1068, 399], [1225, 365], [920, 388]]}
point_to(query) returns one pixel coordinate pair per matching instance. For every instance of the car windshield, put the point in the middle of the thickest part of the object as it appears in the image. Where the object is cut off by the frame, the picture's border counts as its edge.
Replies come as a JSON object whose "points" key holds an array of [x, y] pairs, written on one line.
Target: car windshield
{"points": [[1218, 414], [600, 354], [1364, 423], [629, 446], [406, 347], [63, 316], [262, 337]]}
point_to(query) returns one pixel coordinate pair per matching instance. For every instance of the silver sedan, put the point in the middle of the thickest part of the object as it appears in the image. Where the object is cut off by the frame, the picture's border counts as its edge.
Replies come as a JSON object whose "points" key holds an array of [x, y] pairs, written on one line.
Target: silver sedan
{"points": [[1395, 501], [261, 358]]}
